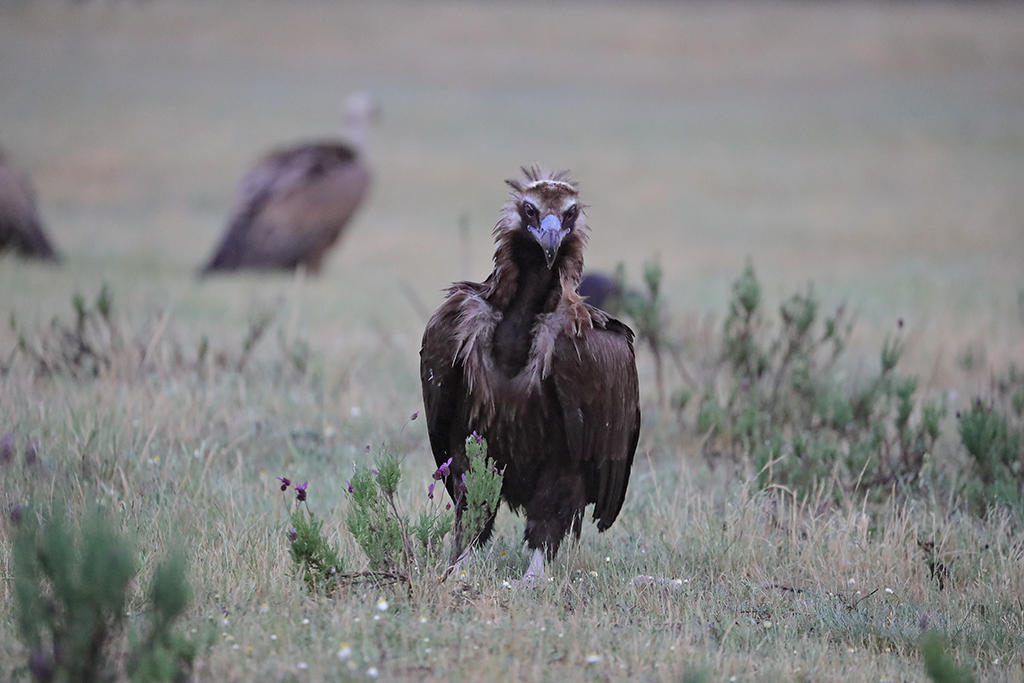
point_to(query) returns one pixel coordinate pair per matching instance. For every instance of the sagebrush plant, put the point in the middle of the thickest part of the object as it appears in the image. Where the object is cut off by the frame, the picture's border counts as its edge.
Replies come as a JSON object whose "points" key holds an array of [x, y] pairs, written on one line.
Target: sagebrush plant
{"points": [[83, 348], [398, 545], [939, 666], [317, 560], [992, 433], [71, 589], [777, 400], [93, 342], [163, 652], [646, 309], [396, 542], [373, 517], [480, 488]]}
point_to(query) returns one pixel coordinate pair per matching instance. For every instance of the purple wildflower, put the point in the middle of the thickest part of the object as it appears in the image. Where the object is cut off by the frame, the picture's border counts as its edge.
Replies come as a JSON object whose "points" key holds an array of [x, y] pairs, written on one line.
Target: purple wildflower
{"points": [[462, 482], [300, 491], [430, 491], [447, 506], [414, 416], [285, 483], [7, 447], [293, 534], [374, 472], [477, 437], [444, 470], [349, 485]]}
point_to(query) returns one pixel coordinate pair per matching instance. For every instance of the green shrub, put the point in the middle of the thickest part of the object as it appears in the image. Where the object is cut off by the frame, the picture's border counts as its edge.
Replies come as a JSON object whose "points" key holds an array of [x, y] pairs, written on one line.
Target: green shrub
{"points": [[646, 309], [398, 546], [779, 401], [373, 517], [992, 433], [939, 666], [70, 593], [163, 653], [482, 490], [393, 542], [317, 561], [83, 348]]}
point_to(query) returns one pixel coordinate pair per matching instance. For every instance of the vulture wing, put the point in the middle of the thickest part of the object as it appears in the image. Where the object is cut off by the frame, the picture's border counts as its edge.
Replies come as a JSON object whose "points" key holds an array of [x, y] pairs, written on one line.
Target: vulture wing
{"points": [[597, 387], [292, 205], [441, 378]]}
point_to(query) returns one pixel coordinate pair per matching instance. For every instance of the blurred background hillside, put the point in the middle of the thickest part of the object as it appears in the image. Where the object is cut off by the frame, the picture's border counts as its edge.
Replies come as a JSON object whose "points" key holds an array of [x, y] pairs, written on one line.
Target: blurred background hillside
{"points": [[876, 150]]}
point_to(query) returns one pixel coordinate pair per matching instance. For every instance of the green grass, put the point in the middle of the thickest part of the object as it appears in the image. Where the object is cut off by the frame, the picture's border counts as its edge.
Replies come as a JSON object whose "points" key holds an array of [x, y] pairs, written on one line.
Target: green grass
{"points": [[874, 150]]}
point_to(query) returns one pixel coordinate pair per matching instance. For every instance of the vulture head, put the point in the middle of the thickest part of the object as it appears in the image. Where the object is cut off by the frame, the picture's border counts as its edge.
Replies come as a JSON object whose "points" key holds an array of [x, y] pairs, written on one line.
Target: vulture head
{"points": [[361, 110], [542, 225]]}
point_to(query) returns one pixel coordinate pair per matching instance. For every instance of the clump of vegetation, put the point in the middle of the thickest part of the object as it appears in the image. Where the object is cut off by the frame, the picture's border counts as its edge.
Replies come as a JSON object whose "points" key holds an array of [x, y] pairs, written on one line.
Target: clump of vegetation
{"points": [[93, 344], [82, 348], [646, 309], [479, 490], [373, 517], [399, 547], [939, 666], [393, 541], [780, 402], [992, 433], [316, 559], [164, 653], [71, 590]]}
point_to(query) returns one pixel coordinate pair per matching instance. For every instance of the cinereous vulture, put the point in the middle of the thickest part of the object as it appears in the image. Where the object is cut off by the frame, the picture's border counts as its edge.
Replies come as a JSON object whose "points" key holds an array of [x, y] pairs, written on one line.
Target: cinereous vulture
{"points": [[20, 227], [547, 379], [295, 202]]}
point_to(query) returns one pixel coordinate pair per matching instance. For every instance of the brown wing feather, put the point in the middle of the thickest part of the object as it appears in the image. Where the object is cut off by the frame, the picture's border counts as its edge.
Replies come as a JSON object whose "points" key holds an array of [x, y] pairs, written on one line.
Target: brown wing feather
{"points": [[292, 206], [441, 379], [597, 387]]}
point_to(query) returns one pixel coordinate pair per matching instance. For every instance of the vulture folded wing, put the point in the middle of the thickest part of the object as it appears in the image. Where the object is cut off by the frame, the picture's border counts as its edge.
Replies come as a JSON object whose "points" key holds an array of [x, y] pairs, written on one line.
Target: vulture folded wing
{"points": [[441, 378], [597, 388]]}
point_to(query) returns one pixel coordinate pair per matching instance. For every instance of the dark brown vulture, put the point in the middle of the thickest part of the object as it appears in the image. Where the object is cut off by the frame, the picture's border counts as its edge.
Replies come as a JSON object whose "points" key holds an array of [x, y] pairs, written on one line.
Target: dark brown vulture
{"points": [[602, 291], [547, 379], [295, 202], [20, 227]]}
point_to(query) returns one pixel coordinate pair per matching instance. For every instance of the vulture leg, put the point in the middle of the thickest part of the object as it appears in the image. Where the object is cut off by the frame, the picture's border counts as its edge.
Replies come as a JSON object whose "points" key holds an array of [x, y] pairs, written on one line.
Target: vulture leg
{"points": [[555, 510], [535, 572]]}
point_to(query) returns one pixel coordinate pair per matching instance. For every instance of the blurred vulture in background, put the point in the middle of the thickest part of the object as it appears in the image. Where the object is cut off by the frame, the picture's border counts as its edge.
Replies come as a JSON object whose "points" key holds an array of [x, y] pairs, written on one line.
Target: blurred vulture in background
{"points": [[602, 291], [20, 227], [295, 202]]}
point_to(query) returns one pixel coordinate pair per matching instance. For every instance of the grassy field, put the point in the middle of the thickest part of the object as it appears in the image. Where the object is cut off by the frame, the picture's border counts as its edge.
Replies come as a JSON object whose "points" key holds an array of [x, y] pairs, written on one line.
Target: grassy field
{"points": [[875, 150]]}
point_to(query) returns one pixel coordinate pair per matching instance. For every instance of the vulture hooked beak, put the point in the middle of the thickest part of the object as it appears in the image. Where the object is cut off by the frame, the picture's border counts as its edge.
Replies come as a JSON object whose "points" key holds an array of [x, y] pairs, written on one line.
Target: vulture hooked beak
{"points": [[549, 236]]}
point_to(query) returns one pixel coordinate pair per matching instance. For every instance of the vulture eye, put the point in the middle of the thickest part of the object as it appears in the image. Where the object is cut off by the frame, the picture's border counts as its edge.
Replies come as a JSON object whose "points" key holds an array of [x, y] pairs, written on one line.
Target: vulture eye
{"points": [[570, 214], [529, 210]]}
